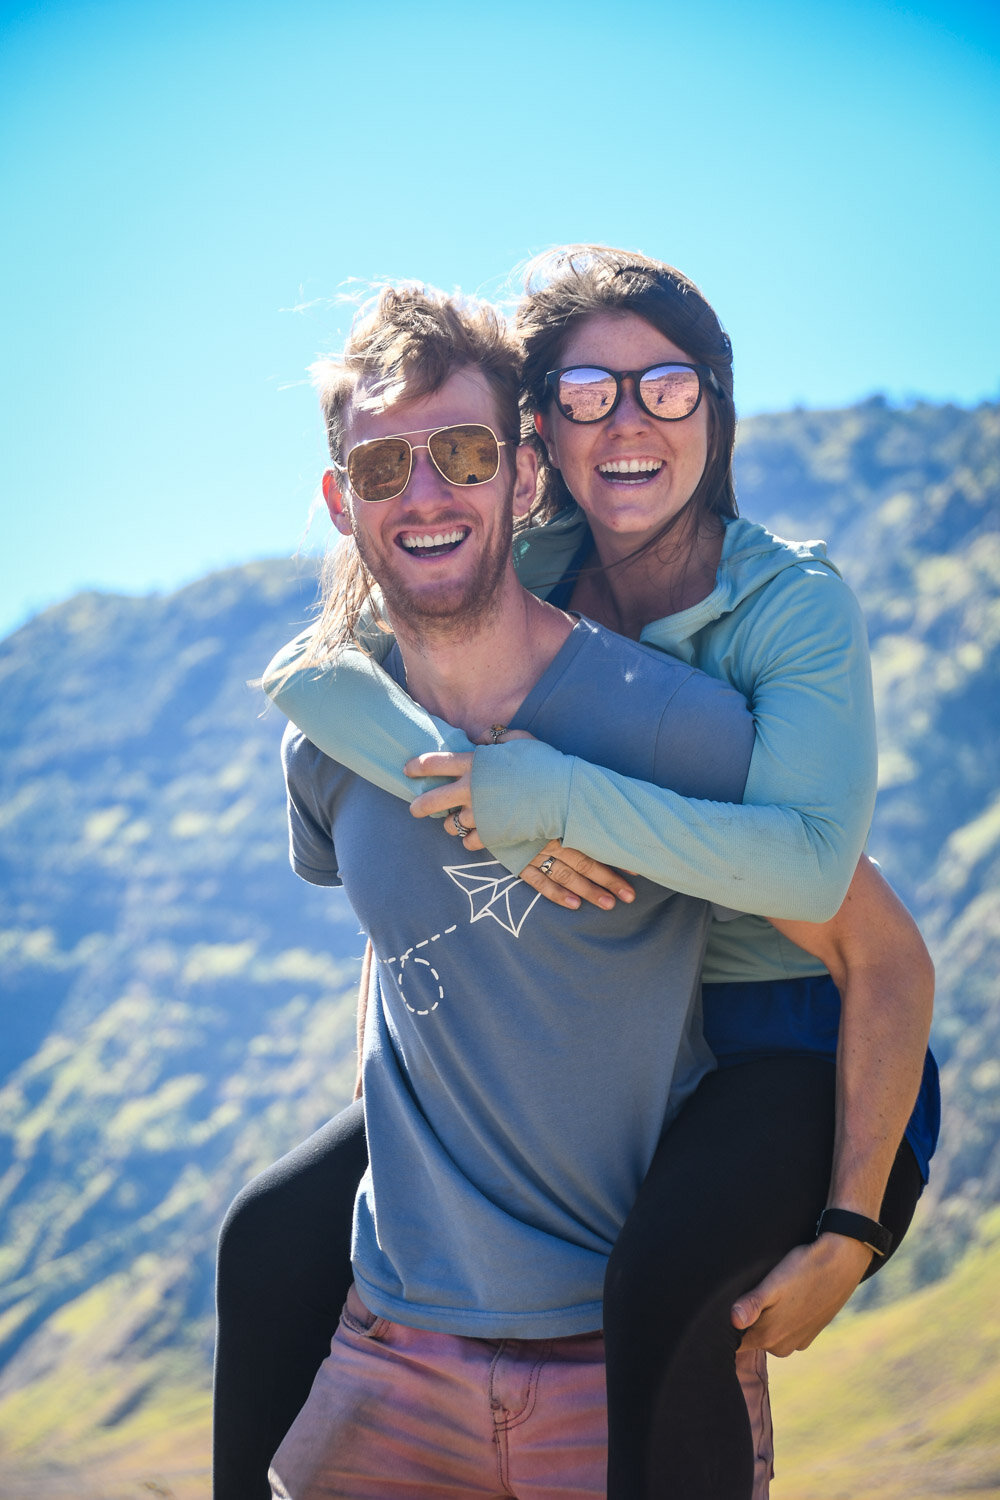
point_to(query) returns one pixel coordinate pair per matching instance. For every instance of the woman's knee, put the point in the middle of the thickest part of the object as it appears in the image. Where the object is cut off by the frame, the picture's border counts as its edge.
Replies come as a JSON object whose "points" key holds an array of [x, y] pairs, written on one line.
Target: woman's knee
{"points": [[250, 1239]]}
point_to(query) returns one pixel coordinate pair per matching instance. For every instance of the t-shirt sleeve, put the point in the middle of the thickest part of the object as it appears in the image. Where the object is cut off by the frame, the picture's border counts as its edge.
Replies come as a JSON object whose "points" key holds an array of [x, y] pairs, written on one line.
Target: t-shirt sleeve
{"points": [[311, 851]]}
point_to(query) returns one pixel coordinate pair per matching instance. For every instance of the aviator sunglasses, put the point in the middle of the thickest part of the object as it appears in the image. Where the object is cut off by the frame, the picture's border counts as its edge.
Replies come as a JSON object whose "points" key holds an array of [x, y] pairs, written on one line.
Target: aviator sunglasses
{"points": [[466, 454], [588, 393]]}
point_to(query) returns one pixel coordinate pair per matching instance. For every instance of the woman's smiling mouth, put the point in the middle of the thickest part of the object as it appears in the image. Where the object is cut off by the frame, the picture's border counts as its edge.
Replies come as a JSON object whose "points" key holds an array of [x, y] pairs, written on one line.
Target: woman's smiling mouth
{"points": [[630, 470]]}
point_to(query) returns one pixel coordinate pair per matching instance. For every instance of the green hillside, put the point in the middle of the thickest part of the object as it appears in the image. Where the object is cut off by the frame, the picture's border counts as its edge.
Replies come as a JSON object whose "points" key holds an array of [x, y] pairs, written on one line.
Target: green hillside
{"points": [[178, 1008], [899, 1403]]}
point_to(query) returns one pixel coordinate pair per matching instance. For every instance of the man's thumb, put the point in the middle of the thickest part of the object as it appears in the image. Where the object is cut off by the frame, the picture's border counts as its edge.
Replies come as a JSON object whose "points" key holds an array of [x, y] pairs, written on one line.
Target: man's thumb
{"points": [[747, 1310]]}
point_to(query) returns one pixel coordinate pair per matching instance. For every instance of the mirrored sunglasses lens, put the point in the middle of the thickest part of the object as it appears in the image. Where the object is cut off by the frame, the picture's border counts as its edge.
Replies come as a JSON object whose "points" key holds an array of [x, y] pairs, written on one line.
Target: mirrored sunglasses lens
{"points": [[585, 394], [466, 455], [379, 470], [670, 391]]}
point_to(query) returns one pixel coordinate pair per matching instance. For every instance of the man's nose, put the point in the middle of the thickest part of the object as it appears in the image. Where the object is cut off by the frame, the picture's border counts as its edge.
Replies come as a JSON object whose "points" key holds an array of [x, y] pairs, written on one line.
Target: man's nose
{"points": [[426, 482]]}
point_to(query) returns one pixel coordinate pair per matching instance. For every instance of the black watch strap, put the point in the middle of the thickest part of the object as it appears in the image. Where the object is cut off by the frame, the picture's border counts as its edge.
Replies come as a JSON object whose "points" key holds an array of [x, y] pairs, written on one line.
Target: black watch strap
{"points": [[856, 1227]]}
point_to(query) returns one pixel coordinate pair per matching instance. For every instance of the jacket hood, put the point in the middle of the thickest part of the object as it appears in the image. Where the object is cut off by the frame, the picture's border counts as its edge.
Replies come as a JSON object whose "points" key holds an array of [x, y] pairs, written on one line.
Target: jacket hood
{"points": [[751, 558]]}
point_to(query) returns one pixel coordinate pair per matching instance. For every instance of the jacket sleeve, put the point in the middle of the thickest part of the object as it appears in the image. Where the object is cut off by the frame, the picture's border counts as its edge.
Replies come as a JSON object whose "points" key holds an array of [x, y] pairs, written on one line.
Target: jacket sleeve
{"points": [[353, 711], [799, 653]]}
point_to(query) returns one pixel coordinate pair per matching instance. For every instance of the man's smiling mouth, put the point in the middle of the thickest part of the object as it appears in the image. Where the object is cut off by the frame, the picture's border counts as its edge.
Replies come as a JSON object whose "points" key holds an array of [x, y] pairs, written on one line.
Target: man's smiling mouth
{"points": [[433, 543]]}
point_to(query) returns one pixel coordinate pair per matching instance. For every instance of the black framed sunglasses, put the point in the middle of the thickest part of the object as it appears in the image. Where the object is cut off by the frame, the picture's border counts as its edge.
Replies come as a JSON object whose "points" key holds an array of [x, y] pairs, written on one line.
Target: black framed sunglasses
{"points": [[668, 392], [466, 454]]}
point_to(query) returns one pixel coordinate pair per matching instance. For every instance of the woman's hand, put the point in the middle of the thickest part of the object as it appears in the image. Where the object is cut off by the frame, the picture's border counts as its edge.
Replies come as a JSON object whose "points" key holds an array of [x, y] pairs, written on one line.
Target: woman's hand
{"points": [[803, 1293], [456, 799], [562, 876]]}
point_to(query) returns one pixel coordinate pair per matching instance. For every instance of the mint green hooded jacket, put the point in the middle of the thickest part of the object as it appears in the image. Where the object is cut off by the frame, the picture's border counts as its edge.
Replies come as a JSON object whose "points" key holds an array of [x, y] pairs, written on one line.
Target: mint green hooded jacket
{"points": [[784, 629]]}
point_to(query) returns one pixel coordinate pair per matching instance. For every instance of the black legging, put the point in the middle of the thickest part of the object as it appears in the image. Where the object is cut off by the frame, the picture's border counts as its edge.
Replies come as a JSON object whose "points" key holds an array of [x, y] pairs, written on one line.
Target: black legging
{"points": [[283, 1274], [738, 1180]]}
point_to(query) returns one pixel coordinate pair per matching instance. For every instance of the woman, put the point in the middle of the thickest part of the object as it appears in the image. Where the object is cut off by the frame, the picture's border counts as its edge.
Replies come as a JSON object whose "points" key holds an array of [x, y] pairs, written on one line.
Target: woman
{"points": [[629, 384]]}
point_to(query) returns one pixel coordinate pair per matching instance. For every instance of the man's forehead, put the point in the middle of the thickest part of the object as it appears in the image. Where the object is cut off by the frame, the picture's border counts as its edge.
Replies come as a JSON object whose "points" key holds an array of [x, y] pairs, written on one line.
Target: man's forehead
{"points": [[465, 396]]}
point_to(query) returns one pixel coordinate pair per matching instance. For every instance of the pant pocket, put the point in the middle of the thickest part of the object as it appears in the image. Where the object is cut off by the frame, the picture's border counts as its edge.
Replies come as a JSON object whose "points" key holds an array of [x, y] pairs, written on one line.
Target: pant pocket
{"points": [[360, 1320]]}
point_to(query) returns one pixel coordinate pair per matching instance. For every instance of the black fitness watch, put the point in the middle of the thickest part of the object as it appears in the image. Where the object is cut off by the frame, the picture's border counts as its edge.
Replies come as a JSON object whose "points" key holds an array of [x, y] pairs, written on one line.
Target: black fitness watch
{"points": [[856, 1227]]}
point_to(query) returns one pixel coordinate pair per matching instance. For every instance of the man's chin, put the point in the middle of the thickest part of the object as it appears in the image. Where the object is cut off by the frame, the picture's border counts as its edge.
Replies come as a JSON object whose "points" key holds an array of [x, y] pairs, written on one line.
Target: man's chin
{"points": [[445, 604], [457, 605]]}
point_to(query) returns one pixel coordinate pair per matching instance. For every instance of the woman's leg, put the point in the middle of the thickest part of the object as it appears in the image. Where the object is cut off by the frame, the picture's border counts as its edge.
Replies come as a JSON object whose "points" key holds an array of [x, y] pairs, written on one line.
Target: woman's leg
{"points": [[283, 1273], [739, 1179]]}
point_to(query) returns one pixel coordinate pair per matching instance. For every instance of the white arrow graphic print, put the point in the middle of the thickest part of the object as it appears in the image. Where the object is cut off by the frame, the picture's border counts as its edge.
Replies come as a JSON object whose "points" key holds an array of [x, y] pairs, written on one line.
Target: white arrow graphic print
{"points": [[494, 892]]}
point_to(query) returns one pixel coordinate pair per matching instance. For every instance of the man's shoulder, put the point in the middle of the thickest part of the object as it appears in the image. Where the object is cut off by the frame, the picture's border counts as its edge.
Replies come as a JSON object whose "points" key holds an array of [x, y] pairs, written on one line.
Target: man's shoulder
{"points": [[297, 750], [637, 664], [305, 762]]}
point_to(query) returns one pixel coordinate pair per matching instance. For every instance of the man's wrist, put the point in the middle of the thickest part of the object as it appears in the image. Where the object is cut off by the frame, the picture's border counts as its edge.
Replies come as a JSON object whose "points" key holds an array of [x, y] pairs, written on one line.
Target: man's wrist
{"points": [[869, 1232]]}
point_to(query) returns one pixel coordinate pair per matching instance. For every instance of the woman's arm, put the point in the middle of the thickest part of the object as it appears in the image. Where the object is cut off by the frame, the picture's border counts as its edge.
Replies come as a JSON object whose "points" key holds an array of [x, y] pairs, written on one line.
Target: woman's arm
{"points": [[798, 652], [886, 981], [329, 703], [796, 649], [354, 712]]}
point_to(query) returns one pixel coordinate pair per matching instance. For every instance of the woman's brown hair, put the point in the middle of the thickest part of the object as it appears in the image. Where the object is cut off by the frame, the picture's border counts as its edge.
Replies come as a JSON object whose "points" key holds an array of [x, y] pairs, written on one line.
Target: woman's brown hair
{"points": [[565, 286]]}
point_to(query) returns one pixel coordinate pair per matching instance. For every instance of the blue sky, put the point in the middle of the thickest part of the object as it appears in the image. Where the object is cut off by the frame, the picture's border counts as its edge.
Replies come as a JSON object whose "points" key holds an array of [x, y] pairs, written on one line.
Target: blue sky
{"points": [[191, 188]]}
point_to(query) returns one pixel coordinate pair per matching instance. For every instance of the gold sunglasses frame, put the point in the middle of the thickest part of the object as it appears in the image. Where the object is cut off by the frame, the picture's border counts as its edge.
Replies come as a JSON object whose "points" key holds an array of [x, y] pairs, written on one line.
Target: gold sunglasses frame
{"points": [[432, 433]]}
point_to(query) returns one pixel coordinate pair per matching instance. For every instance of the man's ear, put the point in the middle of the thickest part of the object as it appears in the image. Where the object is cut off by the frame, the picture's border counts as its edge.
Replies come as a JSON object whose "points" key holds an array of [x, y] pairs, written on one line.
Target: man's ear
{"points": [[525, 478], [335, 503]]}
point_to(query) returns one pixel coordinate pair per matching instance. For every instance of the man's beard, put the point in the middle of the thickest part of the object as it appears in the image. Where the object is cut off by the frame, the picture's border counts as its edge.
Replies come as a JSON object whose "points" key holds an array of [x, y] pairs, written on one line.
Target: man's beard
{"points": [[455, 607]]}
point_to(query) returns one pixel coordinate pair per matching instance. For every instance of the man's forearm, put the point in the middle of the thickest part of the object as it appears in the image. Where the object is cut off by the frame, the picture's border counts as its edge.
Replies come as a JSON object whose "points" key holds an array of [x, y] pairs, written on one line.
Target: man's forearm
{"points": [[886, 981], [884, 1028], [881, 967]]}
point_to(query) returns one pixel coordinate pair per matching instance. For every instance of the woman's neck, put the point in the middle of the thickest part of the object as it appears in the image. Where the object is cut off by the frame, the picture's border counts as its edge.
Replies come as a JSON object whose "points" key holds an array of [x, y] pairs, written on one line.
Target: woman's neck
{"points": [[625, 593]]}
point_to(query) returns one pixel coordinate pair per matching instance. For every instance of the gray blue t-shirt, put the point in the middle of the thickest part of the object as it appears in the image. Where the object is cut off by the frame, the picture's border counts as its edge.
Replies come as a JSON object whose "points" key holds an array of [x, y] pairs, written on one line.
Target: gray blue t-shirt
{"points": [[520, 1060]]}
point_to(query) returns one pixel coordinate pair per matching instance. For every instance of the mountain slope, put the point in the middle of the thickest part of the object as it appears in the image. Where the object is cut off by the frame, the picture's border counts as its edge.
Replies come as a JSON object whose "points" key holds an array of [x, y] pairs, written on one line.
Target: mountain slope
{"points": [[902, 1402], [178, 1009]]}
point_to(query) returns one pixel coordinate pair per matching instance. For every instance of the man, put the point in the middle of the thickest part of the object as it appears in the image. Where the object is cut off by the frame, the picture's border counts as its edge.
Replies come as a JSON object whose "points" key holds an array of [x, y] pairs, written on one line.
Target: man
{"points": [[519, 1068], [500, 1173]]}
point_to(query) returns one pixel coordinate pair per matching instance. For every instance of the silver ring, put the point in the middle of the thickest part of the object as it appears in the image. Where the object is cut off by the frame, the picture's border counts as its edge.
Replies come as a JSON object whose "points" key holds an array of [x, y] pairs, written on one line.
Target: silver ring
{"points": [[497, 732], [460, 827], [546, 865]]}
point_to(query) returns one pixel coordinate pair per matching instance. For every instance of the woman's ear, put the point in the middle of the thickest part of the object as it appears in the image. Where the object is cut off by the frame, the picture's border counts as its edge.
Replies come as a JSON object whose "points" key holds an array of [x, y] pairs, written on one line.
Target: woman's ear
{"points": [[544, 429]]}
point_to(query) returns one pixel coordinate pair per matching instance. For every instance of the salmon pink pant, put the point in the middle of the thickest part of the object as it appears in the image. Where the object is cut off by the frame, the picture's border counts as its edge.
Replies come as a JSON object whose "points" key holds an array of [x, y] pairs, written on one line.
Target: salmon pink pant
{"points": [[399, 1413]]}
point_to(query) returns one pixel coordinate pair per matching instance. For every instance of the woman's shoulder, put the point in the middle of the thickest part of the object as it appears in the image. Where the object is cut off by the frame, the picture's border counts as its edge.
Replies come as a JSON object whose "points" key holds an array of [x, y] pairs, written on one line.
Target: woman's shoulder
{"points": [[752, 556], [762, 581], [761, 575]]}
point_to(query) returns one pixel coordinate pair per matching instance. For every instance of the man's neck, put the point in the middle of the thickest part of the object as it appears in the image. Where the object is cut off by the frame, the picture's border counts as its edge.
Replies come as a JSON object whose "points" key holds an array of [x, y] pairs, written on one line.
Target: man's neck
{"points": [[475, 674]]}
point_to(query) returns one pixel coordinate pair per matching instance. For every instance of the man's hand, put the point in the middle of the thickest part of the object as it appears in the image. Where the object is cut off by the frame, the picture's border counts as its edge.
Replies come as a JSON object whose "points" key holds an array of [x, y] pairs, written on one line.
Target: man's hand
{"points": [[801, 1295]]}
